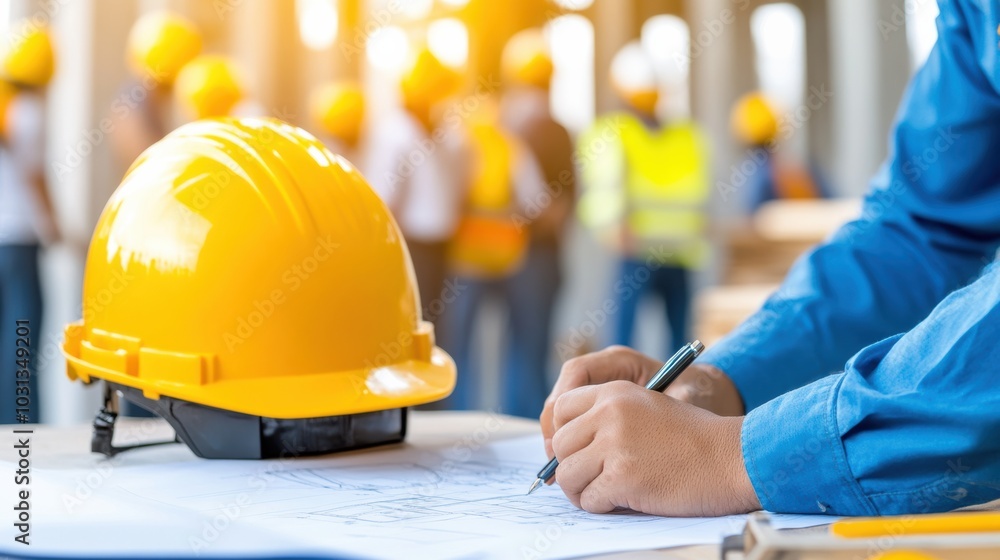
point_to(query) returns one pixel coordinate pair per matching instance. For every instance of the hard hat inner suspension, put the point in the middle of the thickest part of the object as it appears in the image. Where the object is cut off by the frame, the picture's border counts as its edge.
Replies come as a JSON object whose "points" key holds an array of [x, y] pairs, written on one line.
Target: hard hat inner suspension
{"points": [[214, 433]]}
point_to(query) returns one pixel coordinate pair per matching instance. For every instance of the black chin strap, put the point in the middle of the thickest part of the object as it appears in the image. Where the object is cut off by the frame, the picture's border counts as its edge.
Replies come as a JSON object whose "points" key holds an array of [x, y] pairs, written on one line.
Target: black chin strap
{"points": [[104, 427]]}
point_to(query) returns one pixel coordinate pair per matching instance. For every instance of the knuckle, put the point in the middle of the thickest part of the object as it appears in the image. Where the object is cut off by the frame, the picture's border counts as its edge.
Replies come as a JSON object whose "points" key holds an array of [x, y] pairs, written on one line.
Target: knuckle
{"points": [[573, 368], [618, 349], [558, 441], [562, 410], [559, 408], [619, 386], [591, 501], [566, 477], [616, 467]]}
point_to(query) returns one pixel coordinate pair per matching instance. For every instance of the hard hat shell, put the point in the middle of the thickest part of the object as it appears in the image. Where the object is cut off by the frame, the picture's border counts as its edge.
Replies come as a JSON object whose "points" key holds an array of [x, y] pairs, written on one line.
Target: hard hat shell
{"points": [[526, 59], [753, 119], [160, 44], [28, 58], [338, 108], [428, 81], [242, 266], [208, 86], [634, 77]]}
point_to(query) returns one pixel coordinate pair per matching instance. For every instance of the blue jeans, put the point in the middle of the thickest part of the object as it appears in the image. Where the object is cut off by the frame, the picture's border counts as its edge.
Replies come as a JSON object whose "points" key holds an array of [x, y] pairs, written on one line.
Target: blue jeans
{"points": [[20, 300], [529, 296], [637, 280]]}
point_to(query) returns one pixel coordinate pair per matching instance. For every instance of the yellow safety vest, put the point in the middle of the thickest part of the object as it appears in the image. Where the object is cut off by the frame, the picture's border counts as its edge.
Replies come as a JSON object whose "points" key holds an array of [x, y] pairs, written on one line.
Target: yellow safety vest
{"points": [[7, 94], [654, 182], [491, 240]]}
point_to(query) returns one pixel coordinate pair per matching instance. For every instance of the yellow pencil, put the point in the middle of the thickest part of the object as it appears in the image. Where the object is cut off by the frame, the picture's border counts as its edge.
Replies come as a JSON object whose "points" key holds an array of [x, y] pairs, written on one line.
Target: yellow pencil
{"points": [[866, 527]]}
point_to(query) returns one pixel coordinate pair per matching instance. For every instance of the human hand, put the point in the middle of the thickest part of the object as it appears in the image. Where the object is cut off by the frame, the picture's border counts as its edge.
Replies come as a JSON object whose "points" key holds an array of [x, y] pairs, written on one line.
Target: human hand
{"points": [[620, 445], [702, 385], [611, 364]]}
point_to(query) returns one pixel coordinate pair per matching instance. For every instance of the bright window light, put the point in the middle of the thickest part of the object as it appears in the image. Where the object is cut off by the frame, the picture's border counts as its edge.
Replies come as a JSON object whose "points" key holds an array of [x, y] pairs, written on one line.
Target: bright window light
{"points": [[448, 40], [571, 42], [317, 22], [4, 14], [416, 9], [921, 30], [455, 3], [667, 40], [388, 48], [779, 35], [575, 5]]}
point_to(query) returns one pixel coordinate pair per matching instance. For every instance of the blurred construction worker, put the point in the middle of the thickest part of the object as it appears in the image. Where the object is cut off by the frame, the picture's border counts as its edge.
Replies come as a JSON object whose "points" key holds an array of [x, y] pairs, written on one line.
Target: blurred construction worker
{"points": [[419, 165], [337, 110], [489, 250], [531, 290], [645, 193], [867, 384], [211, 86], [159, 45], [27, 218], [768, 174]]}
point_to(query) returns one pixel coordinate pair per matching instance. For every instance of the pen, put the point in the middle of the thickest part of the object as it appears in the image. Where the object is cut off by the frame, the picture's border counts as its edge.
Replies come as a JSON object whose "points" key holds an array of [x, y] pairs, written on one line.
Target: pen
{"points": [[659, 383]]}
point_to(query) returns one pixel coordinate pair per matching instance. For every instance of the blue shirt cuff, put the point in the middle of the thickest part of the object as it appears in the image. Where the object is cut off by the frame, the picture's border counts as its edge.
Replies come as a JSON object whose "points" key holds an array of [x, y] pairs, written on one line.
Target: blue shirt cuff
{"points": [[793, 453]]}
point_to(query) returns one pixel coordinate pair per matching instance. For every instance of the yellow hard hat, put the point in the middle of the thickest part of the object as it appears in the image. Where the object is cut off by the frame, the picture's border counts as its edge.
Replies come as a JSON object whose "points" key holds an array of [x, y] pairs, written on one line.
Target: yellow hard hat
{"points": [[338, 108], [208, 86], [27, 58], [428, 81], [753, 120], [634, 78], [526, 59], [250, 287], [160, 44]]}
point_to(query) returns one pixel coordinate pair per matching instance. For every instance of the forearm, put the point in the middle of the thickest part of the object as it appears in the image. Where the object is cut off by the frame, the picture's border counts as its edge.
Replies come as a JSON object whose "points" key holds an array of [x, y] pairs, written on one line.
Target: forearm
{"points": [[909, 427], [931, 221], [872, 280]]}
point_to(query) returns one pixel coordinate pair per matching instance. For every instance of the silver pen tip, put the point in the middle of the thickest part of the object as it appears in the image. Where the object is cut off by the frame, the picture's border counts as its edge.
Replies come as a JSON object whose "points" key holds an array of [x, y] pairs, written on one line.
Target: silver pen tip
{"points": [[534, 486], [698, 346]]}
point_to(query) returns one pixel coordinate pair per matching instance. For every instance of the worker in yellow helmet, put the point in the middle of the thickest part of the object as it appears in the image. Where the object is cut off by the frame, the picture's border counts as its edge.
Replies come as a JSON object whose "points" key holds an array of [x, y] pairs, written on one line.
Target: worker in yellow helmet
{"points": [[487, 255], [767, 173], [256, 319], [533, 182], [646, 188], [211, 86], [27, 217], [421, 170], [159, 44], [337, 110]]}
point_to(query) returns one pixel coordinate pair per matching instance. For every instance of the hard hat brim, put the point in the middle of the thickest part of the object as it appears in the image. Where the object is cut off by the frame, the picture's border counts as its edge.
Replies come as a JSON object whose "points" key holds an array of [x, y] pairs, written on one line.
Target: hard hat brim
{"points": [[398, 385]]}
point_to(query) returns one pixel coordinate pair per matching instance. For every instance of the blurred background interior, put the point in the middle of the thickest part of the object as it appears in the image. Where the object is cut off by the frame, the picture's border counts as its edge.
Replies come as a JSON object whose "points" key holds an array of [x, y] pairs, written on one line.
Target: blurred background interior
{"points": [[780, 109]]}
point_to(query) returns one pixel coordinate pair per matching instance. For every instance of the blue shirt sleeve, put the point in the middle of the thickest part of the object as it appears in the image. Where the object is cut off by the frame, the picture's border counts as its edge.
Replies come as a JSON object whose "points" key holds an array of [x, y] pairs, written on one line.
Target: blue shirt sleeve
{"points": [[930, 222], [909, 427]]}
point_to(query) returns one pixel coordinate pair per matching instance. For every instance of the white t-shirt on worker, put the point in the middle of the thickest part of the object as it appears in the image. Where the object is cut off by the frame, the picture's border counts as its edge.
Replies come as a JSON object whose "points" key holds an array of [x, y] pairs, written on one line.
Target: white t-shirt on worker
{"points": [[22, 157], [423, 177]]}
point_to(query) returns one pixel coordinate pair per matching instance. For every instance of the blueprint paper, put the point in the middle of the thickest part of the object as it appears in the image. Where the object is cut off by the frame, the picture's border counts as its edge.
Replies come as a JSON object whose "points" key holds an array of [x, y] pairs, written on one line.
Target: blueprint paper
{"points": [[461, 501]]}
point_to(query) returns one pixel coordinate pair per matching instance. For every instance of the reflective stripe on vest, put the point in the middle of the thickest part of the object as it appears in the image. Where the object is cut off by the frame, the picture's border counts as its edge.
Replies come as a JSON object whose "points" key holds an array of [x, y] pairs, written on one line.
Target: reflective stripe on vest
{"points": [[490, 241]]}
